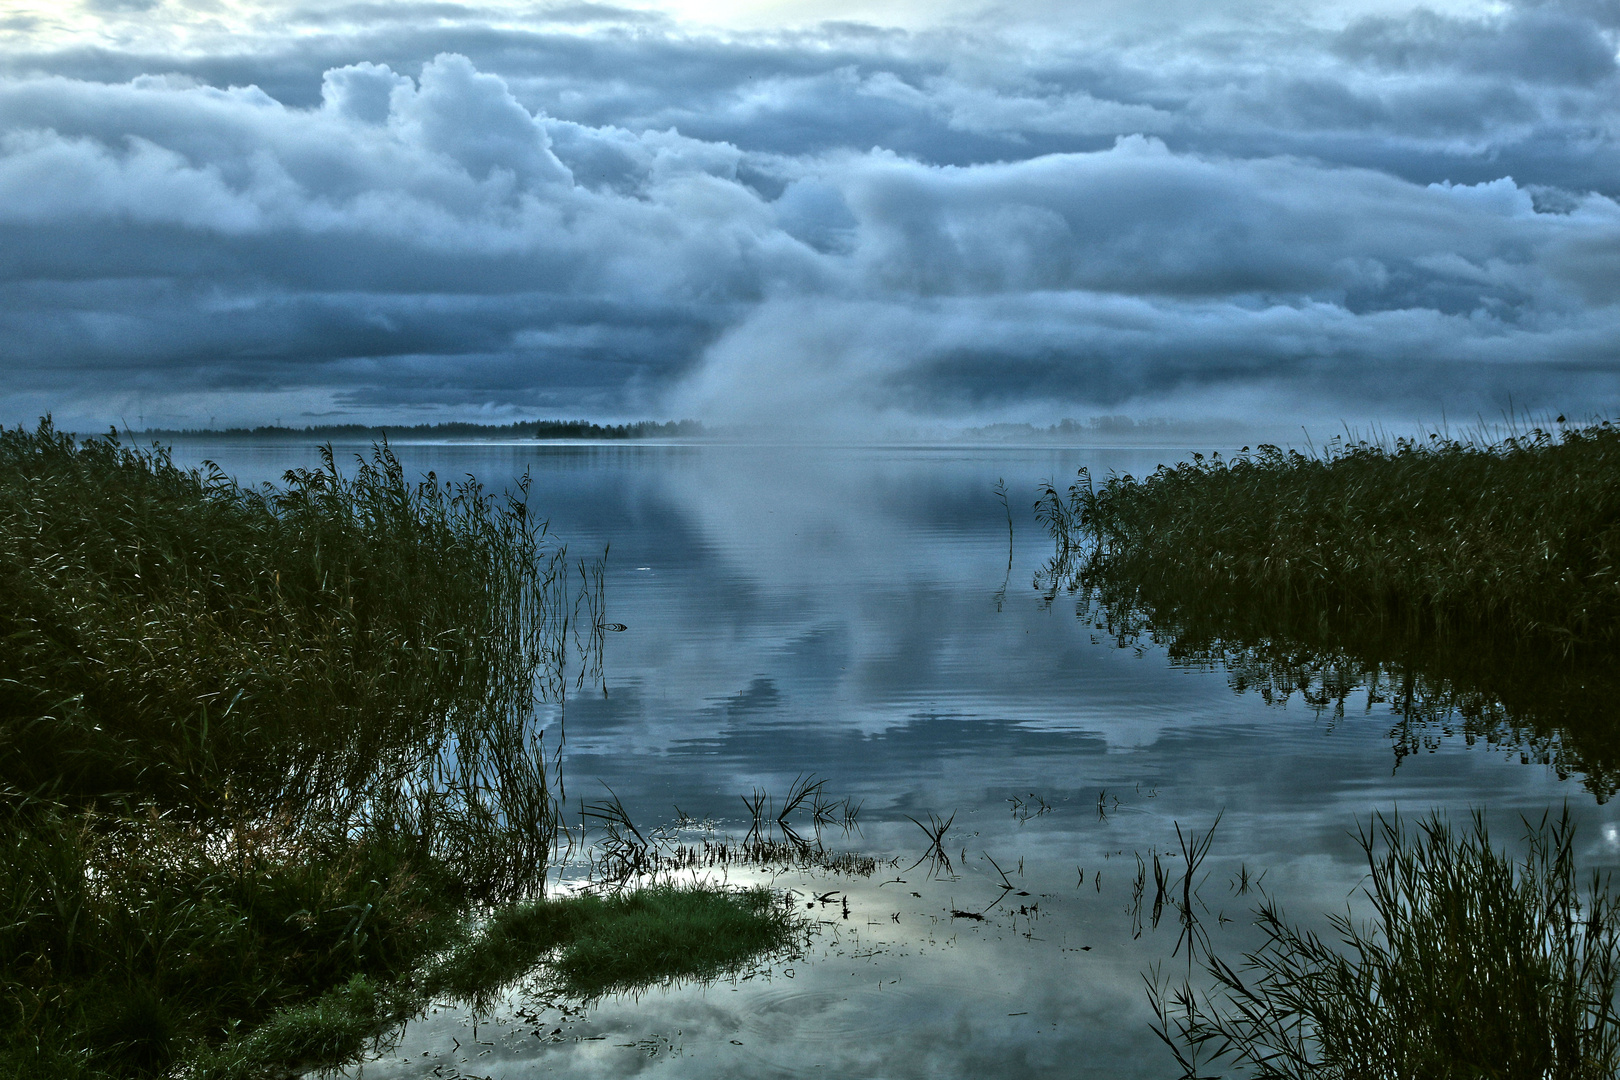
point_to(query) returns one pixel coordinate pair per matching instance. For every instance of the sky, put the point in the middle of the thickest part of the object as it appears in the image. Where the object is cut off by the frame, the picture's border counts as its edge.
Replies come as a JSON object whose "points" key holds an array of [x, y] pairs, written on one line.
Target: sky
{"points": [[807, 216]]}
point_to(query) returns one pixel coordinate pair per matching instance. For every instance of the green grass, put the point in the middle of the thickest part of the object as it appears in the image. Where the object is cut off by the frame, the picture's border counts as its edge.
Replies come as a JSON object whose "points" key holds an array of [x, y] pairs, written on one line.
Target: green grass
{"points": [[268, 781], [130, 945], [1519, 537], [588, 945], [620, 941], [1473, 964], [268, 778], [330, 1029], [1472, 588], [308, 652]]}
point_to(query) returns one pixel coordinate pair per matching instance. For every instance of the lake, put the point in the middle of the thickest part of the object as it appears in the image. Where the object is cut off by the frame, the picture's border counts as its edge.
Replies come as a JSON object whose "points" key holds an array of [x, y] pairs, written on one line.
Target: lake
{"points": [[861, 614]]}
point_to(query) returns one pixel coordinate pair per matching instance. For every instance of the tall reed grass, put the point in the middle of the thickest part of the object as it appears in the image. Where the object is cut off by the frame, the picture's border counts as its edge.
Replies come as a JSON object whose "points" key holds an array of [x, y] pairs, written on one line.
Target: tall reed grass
{"points": [[1472, 964], [1468, 587], [1519, 536], [254, 743]]}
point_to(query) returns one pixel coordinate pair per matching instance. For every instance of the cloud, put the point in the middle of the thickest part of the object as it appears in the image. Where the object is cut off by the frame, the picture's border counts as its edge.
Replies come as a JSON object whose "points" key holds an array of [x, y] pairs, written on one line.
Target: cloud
{"points": [[1539, 44], [229, 240], [993, 357], [473, 118], [363, 91], [601, 212]]}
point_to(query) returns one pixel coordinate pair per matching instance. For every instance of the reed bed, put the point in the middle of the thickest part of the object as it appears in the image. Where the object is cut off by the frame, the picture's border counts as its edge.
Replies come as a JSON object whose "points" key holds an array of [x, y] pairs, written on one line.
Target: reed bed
{"points": [[1404, 575], [1518, 537], [257, 746]]}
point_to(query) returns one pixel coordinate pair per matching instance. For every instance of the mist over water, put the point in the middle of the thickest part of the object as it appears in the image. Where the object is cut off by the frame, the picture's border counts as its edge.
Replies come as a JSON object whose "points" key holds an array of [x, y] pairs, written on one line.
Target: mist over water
{"points": [[851, 613]]}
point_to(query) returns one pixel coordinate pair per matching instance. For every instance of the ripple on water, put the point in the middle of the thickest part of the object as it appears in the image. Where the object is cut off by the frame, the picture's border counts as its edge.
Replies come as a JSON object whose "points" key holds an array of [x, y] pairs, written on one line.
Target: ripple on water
{"points": [[851, 1013]]}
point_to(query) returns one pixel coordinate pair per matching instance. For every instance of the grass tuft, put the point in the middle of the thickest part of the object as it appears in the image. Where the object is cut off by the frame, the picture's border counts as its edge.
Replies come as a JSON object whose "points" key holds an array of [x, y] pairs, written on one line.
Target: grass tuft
{"points": [[1473, 964], [600, 944], [662, 933], [332, 1028]]}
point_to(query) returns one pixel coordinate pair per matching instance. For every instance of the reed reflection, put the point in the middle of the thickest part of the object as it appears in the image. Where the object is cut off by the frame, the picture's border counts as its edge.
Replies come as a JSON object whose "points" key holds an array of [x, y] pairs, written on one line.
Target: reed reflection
{"points": [[1292, 575]]}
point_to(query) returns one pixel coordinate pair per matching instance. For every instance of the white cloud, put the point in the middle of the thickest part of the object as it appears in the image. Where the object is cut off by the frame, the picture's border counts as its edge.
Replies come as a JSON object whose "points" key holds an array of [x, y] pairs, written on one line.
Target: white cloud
{"points": [[362, 91], [473, 118]]}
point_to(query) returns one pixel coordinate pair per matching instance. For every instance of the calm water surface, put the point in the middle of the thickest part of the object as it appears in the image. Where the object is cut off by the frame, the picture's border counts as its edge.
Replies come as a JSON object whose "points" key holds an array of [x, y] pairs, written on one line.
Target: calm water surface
{"points": [[851, 613]]}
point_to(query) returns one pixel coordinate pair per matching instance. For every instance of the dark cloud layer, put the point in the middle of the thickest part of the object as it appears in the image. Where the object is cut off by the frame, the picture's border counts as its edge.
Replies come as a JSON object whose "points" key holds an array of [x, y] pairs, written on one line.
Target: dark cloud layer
{"points": [[435, 209]]}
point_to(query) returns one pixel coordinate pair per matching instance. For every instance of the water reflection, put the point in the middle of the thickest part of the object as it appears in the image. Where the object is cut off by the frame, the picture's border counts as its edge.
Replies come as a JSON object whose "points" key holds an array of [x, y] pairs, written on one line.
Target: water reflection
{"points": [[839, 612], [1541, 704]]}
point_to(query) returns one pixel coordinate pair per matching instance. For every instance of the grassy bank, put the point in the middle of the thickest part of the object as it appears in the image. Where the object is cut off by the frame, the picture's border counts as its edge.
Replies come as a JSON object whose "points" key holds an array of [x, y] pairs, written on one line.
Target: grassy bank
{"points": [[590, 945], [262, 751], [1519, 537], [617, 941]]}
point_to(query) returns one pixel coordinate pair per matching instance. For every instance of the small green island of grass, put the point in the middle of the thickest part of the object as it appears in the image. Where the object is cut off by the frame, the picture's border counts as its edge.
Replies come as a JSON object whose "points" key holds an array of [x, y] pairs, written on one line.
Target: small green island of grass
{"points": [[268, 780]]}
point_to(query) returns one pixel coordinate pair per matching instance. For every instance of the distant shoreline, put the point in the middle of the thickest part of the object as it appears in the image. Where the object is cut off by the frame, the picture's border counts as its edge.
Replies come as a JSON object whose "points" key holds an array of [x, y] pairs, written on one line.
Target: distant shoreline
{"points": [[1106, 431], [528, 429]]}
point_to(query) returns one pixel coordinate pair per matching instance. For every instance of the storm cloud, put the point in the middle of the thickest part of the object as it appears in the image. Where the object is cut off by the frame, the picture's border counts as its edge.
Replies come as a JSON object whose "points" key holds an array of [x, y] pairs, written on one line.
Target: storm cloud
{"points": [[444, 211]]}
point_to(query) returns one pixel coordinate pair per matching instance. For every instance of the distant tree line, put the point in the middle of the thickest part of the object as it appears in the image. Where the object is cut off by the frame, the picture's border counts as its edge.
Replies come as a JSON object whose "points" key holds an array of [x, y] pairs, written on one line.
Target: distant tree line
{"points": [[533, 429], [641, 429]]}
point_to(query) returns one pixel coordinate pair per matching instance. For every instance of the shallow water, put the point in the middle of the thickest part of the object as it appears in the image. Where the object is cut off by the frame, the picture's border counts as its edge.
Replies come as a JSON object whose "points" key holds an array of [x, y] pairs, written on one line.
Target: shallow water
{"points": [[851, 613]]}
